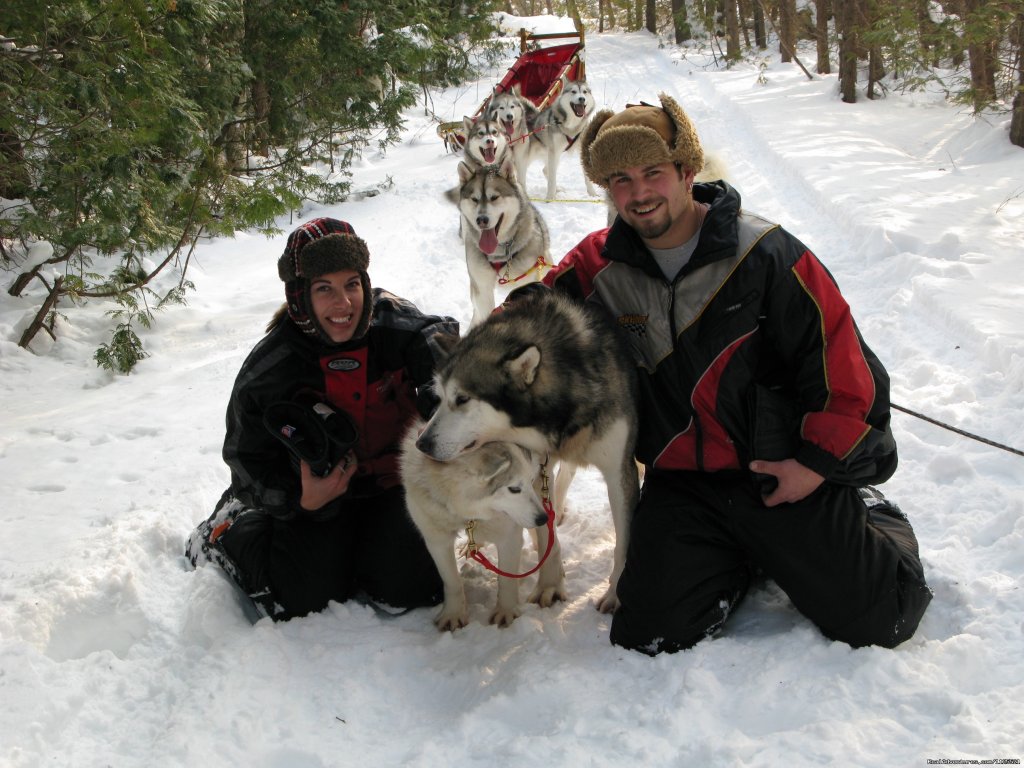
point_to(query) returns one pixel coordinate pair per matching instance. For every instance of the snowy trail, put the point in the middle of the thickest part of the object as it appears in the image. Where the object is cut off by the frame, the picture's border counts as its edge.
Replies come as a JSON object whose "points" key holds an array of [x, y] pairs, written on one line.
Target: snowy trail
{"points": [[112, 652]]}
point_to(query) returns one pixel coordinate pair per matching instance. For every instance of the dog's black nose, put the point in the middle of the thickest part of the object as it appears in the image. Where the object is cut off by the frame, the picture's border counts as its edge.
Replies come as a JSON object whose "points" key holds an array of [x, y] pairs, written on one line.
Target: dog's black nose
{"points": [[540, 519], [425, 444]]}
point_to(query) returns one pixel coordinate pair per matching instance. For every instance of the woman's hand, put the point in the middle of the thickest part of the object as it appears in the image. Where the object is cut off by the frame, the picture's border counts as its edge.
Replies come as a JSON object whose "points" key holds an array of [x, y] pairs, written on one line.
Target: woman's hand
{"points": [[318, 491], [796, 481]]}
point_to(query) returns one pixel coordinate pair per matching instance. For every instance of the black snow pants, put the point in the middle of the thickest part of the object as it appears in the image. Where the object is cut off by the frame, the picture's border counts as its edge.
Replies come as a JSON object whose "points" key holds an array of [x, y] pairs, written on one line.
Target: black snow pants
{"points": [[295, 567], [698, 538]]}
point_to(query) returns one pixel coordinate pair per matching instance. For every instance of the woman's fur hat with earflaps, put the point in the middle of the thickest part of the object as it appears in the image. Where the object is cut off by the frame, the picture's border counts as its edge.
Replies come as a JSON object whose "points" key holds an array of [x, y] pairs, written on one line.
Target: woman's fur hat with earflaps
{"points": [[640, 135], [316, 248]]}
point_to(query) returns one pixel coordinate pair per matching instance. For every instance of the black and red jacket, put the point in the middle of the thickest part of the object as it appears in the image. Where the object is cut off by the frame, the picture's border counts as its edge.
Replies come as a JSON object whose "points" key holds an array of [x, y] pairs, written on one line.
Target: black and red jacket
{"points": [[750, 352], [374, 379]]}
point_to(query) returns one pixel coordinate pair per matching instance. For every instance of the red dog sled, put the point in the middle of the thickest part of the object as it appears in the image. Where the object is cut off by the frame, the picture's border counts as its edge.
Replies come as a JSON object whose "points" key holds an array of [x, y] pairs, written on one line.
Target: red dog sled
{"points": [[538, 72]]}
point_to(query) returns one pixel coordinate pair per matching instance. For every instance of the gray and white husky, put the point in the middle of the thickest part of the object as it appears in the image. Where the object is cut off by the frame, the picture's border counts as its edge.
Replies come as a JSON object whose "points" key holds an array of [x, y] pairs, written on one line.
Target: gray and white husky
{"points": [[515, 113], [494, 488], [506, 239], [486, 142], [556, 377], [556, 129]]}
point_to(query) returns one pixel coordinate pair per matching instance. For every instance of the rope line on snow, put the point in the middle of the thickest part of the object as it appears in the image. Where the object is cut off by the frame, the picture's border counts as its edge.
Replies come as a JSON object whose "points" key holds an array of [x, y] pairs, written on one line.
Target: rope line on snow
{"points": [[951, 428]]}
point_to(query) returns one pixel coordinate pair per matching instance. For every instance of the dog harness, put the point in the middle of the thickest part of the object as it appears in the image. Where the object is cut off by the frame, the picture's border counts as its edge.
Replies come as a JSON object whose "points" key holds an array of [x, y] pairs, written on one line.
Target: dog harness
{"points": [[471, 550], [540, 266]]}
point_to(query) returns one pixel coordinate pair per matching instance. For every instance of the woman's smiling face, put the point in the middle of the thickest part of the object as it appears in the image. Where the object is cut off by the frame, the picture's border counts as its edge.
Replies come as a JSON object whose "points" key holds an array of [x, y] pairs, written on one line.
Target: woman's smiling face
{"points": [[337, 302]]}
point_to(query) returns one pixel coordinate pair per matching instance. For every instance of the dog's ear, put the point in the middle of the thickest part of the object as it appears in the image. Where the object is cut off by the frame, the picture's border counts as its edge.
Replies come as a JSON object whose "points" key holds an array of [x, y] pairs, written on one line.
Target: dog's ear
{"points": [[495, 463], [465, 172], [468, 123], [522, 370], [508, 169]]}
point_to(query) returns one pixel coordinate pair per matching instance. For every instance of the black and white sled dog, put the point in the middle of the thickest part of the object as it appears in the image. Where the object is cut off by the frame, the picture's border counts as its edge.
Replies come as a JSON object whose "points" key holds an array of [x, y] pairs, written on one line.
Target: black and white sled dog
{"points": [[506, 239], [555, 377], [556, 129], [493, 488], [486, 142], [515, 113]]}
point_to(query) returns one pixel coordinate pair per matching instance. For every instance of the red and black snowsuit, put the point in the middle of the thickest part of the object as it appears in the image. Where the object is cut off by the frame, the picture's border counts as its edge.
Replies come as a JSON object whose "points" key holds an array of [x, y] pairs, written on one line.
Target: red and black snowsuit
{"points": [[749, 352], [364, 539]]}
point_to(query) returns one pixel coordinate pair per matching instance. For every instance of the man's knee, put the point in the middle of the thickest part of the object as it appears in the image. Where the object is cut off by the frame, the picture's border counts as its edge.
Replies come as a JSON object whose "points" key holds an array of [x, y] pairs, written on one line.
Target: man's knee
{"points": [[654, 622], [903, 592], [893, 618]]}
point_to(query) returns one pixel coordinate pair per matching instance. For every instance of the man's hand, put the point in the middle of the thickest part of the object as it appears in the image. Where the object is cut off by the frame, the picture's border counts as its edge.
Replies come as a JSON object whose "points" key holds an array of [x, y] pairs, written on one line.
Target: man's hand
{"points": [[796, 481], [318, 491]]}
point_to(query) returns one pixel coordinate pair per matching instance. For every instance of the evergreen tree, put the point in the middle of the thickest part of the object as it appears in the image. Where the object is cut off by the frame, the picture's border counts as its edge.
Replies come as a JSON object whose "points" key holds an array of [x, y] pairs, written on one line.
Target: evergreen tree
{"points": [[129, 130]]}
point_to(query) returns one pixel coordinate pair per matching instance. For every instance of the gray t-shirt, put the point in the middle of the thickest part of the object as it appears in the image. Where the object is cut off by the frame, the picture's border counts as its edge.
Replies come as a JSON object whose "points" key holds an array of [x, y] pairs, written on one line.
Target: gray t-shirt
{"points": [[671, 260]]}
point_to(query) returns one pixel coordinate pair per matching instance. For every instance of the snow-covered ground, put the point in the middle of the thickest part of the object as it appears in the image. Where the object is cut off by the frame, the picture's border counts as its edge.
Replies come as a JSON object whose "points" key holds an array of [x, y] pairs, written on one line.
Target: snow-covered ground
{"points": [[113, 652]]}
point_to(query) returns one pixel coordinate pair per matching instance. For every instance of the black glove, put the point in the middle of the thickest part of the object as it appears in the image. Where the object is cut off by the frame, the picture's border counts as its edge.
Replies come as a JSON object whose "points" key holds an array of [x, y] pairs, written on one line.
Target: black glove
{"points": [[317, 434]]}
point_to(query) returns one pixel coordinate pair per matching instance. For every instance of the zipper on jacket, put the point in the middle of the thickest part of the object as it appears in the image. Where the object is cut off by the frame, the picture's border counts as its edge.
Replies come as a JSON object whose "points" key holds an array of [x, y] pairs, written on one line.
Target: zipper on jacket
{"points": [[679, 347]]}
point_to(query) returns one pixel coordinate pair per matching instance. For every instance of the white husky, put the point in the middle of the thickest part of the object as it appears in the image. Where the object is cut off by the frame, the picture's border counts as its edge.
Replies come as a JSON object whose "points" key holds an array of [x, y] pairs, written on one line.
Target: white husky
{"points": [[494, 488], [556, 129]]}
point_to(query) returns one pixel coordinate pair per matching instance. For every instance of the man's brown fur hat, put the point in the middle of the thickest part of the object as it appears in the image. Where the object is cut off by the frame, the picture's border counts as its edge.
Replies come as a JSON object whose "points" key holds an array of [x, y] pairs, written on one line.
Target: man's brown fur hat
{"points": [[640, 135]]}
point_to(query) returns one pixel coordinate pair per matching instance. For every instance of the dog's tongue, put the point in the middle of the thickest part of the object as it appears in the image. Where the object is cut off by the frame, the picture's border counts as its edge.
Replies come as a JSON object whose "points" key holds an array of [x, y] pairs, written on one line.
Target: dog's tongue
{"points": [[508, 125], [489, 240], [489, 153], [579, 109]]}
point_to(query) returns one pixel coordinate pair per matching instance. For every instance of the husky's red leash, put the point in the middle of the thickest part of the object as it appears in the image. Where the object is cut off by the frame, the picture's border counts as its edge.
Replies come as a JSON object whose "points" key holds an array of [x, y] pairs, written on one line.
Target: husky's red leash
{"points": [[472, 550], [525, 136]]}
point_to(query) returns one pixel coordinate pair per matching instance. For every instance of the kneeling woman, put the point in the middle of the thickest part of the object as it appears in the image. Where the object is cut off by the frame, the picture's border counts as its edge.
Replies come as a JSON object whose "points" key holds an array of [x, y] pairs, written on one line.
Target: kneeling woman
{"points": [[295, 533]]}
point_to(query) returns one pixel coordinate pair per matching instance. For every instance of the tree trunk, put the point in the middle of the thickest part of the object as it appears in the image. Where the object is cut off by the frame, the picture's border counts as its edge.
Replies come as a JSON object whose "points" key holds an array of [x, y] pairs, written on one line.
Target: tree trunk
{"points": [[876, 63], [980, 54], [40, 319], [874, 66], [13, 173], [651, 17], [926, 32], [680, 22], [744, 10], [846, 24], [261, 114], [574, 13], [760, 28], [1017, 119], [787, 29], [732, 31], [822, 10]]}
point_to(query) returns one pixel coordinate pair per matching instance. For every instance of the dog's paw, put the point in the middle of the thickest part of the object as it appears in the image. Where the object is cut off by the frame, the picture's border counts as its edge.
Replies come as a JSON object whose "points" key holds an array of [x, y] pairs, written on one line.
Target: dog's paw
{"points": [[609, 602], [546, 596], [449, 621], [504, 617]]}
